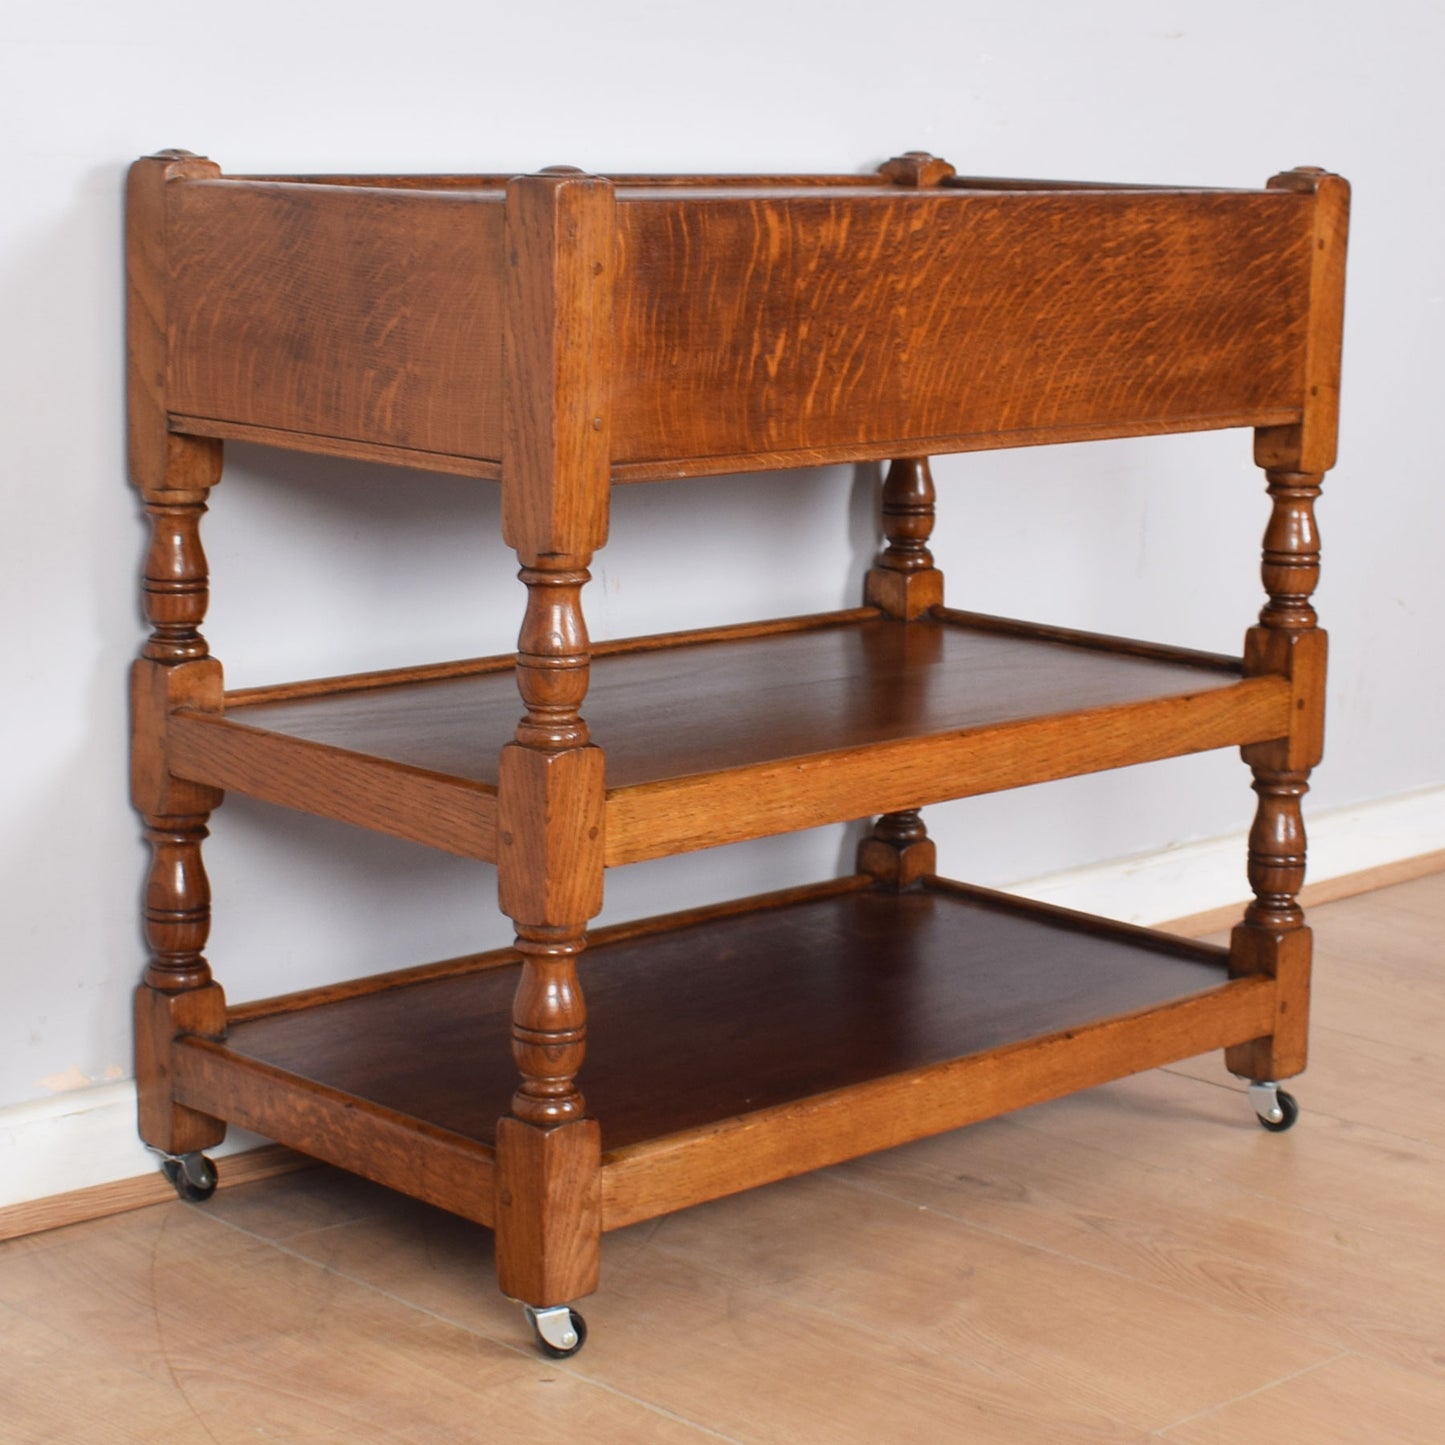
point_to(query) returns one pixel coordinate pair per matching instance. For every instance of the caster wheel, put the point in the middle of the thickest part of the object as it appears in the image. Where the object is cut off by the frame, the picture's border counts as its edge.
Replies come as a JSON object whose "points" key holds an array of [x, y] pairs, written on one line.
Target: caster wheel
{"points": [[193, 1176], [1288, 1112], [1275, 1109], [560, 1331]]}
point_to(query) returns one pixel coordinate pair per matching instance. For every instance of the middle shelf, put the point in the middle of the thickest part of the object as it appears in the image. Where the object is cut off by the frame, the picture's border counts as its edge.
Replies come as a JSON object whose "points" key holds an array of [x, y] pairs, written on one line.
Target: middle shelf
{"points": [[735, 733]]}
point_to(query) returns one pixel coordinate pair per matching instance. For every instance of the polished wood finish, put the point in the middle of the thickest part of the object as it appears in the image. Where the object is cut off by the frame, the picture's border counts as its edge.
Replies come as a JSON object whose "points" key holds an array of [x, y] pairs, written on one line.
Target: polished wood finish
{"points": [[338, 312], [561, 332], [1103, 1267], [916, 314], [556, 449], [341, 1127], [855, 715], [903, 582], [838, 1002], [898, 852], [874, 319], [1272, 939], [174, 475]]}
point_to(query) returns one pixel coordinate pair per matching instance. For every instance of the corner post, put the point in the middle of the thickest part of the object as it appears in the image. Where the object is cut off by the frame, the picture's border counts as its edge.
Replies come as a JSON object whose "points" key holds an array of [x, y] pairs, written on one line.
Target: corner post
{"points": [[174, 475], [556, 464], [904, 584], [1273, 938]]}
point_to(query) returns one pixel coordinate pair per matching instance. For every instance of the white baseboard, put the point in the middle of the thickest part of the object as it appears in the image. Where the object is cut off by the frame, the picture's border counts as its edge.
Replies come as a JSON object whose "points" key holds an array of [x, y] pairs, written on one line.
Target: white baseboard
{"points": [[88, 1136], [78, 1139], [1192, 878]]}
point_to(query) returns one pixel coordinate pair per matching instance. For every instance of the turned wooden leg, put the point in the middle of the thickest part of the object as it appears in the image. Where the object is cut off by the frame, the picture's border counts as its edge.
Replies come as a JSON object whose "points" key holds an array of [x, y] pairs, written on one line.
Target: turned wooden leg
{"points": [[177, 995], [898, 852], [1272, 938], [903, 580], [174, 475], [548, 1205], [559, 227]]}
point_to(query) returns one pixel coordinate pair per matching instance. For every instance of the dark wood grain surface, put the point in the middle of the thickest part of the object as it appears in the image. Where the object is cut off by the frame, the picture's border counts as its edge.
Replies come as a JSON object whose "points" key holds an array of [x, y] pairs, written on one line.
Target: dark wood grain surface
{"points": [[681, 711], [742, 1013]]}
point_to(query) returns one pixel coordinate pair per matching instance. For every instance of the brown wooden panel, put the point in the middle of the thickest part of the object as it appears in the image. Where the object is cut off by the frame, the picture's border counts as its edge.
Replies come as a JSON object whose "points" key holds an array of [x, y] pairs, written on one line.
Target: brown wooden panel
{"points": [[660, 1176], [365, 314], [407, 1154], [732, 1014], [337, 447], [725, 464], [710, 809], [746, 734], [818, 320], [676, 712], [453, 814]]}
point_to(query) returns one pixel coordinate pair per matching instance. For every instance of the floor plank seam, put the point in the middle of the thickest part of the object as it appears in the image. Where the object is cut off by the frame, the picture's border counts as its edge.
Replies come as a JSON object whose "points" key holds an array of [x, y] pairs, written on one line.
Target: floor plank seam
{"points": [[1307, 1110], [162, 1345], [525, 1352], [1000, 1371], [1250, 1394], [1112, 1272], [786, 1293]]}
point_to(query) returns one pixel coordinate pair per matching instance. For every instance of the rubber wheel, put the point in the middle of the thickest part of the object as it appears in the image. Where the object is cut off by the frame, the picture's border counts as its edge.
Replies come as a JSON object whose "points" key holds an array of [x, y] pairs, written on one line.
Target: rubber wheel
{"points": [[555, 1352], [1289, 1107], [193, 1177]]}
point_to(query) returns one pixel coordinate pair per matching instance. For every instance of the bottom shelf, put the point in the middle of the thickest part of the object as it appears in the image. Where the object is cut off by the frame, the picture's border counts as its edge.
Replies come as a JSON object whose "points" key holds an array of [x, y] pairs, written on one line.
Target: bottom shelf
{"points": [[735, 1045]]}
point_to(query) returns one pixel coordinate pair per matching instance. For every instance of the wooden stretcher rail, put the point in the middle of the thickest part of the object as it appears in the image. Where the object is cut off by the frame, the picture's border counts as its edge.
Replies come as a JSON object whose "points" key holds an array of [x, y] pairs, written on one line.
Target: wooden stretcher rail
{"points": [[747, 731], [662, 1175], [409, 1155]]}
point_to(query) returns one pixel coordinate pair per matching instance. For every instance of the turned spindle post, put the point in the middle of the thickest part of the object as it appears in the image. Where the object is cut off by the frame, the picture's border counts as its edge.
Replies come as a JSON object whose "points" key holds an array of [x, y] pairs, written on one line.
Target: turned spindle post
{"points": [[551, 761], [904, 584], [1272, 939], [174, 475], [556, 465], [898, 852], [903, 580]]}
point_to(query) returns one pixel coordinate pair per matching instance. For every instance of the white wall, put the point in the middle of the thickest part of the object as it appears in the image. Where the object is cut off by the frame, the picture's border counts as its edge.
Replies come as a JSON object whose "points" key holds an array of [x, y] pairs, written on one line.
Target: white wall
{"points": [[322, 566]]}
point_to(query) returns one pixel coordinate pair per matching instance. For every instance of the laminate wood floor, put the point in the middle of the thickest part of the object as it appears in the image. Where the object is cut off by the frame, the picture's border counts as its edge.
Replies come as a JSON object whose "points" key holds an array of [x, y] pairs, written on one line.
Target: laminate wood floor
{"points": [[1140, 1262]]}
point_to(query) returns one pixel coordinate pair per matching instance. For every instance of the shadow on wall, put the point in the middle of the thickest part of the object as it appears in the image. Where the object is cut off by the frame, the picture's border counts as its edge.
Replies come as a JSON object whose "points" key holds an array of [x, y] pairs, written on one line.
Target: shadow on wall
{"points": [[322, 566]]}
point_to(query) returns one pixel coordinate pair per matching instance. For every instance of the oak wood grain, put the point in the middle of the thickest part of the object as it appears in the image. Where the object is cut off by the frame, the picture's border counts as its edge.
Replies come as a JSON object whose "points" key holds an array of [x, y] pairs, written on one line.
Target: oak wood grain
{"points": [[872, 312], [358, 314], [456, 815], [645, 1180], [835, 717], [408, 1154], [885, 318], [745, 1010], [148, 305], [558, 284], [708, 809], [548, 1211], [565, 331], [1310, 445]]}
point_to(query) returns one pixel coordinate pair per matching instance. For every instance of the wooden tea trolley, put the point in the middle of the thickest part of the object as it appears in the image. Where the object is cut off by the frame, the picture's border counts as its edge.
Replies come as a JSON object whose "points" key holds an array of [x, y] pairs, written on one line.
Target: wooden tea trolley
{"points": [[563, 333]]}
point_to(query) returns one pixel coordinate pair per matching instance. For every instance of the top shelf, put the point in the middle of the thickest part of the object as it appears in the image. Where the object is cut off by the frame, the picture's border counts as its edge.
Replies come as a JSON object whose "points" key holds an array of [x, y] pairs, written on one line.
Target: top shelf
{"points": [[752, 322]]}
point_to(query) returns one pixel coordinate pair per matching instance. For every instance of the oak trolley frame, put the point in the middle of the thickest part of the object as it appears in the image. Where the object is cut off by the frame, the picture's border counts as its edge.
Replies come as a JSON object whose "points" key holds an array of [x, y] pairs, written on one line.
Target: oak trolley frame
{"points": [[562, 333]]}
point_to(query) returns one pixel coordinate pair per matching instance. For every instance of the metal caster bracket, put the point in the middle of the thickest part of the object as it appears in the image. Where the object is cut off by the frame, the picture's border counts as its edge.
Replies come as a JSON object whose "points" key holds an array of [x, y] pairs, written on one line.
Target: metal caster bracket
{"points": [[560, 1330], [1277, 1110], [193, 1176]]}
